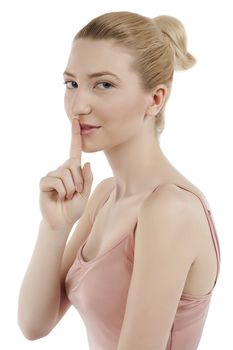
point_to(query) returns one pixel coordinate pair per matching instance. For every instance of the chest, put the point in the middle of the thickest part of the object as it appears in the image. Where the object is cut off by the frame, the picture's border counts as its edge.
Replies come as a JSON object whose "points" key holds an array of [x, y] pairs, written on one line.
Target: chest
{"points": [[113, 222], [110, 225]]}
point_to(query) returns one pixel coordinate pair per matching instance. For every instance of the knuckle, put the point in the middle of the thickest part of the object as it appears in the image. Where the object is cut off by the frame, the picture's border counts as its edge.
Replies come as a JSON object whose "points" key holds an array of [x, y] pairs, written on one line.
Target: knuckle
{"points": [[57, 180], [43, 180], [77, 175], [65, 171], [64, 165], [61, 191]]}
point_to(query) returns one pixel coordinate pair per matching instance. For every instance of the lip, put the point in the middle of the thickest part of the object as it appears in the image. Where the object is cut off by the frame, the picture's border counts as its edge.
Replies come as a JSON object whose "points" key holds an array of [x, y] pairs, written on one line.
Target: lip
{"points": [[83, 126], [89, 131]]}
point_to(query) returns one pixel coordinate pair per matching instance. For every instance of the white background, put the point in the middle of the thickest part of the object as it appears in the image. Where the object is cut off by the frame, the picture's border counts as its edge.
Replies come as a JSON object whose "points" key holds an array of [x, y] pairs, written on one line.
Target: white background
{"points": [[35, 137]]}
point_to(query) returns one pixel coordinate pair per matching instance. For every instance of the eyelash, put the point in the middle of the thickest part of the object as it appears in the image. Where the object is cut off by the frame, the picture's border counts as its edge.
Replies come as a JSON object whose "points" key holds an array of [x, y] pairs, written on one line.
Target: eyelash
{"points": [[100, 82]]}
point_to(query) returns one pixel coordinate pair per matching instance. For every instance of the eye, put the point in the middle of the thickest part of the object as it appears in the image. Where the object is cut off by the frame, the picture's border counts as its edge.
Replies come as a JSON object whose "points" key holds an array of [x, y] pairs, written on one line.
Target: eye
{"points": [[105, 82], [101, 82], [66, 83]]}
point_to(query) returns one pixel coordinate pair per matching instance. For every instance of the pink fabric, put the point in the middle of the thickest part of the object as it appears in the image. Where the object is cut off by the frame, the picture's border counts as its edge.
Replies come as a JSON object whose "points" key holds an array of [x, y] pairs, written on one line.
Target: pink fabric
{"points": [[98, 290]]}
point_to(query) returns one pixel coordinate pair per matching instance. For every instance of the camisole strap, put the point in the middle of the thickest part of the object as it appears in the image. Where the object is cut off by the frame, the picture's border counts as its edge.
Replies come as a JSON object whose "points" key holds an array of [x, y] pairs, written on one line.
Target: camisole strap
{"points": [[211, 222], [207, 210]]}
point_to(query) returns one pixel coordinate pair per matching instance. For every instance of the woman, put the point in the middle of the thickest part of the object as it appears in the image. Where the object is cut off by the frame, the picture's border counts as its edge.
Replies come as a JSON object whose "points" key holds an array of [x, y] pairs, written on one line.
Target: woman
{"points": [[144, 257]]}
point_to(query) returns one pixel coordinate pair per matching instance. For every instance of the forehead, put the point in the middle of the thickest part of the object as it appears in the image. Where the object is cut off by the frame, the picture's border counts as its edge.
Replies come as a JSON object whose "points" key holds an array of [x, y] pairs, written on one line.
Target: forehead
{"points": [[97, 55]]}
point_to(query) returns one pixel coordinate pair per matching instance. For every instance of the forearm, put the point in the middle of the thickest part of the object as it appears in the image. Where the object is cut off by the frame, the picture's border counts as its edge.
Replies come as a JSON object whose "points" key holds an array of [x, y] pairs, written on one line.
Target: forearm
{"points": [[39, 298]]}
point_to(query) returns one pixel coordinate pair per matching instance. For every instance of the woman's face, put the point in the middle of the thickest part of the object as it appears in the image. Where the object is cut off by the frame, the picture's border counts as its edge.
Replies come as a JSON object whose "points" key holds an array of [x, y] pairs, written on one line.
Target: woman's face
{"points": [[116, 103]]}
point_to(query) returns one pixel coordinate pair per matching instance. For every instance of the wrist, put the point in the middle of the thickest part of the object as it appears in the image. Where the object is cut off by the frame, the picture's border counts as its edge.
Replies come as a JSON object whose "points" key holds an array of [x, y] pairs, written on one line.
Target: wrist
{"points": [[62, 229]]}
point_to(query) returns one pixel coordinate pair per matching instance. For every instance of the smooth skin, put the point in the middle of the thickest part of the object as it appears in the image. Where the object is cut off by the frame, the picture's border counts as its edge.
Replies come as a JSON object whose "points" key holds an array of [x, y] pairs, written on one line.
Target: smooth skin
{"points": [[126, 116], [62, 201], [42, 298], [125, 113]]}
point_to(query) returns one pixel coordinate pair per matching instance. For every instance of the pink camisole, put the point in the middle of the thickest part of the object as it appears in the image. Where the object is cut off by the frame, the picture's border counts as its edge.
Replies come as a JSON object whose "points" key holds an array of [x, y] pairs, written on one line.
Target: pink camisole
{"points": [[98, 290]]}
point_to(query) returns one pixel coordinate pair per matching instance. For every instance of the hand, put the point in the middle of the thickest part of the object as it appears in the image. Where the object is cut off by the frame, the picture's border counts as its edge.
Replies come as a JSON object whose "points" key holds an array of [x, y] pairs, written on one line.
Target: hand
{"points": [[62, 203]]}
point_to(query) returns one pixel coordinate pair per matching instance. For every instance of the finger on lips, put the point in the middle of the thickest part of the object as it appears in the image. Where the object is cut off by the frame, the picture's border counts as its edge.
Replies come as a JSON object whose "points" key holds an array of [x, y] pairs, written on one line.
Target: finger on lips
{"points": [[76, 140]]}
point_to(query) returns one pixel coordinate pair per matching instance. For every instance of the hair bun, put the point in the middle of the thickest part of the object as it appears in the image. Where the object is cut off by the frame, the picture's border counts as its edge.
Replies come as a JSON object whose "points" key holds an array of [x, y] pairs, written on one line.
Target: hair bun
{"points": [[175, 31]]}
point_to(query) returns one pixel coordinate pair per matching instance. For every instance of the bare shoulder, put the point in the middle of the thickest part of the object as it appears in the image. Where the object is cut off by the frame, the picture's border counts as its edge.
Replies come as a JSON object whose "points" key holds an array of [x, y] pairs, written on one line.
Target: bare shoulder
{"points": [[171, 214], [169, 196], [173, 206], [102, 189]]}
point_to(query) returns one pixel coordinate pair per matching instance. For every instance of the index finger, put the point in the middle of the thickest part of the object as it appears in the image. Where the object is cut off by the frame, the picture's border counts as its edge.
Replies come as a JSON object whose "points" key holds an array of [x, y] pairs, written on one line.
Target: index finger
{"points": [[76, 140]]}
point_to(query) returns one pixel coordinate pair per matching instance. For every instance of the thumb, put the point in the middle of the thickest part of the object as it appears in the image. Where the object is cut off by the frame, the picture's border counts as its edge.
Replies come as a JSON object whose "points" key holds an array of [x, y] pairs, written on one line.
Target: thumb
{"points": [[88, 178]]}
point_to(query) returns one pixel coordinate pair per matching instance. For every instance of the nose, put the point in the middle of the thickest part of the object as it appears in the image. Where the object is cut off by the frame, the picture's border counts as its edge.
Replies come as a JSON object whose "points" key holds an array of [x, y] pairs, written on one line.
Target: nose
{"points": [[81, 102]]}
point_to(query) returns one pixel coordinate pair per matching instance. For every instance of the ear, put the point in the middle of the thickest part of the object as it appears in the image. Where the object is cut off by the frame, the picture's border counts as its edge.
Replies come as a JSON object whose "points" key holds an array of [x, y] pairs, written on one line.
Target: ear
{"points": [[156, 99]]}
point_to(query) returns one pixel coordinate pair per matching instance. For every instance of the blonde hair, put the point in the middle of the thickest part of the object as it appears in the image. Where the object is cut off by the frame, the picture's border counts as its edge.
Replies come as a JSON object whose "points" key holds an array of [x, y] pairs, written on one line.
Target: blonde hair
{"points": [[158, 46]]}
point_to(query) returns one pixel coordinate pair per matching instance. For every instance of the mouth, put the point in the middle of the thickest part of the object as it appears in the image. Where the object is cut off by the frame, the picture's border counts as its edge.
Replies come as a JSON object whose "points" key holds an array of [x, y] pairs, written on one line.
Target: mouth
{"points": [[87, 126], [89, 130]]}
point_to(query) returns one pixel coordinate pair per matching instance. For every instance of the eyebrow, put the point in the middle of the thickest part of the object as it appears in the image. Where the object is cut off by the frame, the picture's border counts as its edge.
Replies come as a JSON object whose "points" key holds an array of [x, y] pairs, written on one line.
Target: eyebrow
{"points": [[93, 75]]}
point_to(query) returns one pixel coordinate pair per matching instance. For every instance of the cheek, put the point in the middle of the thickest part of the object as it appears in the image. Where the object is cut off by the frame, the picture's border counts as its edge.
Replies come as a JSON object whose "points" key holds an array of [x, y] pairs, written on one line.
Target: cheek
{"points": [[125, 122], [129, 111]]}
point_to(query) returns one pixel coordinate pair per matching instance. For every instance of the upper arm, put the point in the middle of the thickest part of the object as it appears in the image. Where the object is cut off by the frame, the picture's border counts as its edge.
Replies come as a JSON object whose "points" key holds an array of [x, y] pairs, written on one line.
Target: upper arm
{"points": [[81, 231], [164, 252]]}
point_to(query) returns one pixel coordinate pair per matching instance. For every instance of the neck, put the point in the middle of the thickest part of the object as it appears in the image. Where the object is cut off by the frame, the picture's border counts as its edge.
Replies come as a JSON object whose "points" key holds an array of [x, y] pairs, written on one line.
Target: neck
{"points": [[137, 166]]}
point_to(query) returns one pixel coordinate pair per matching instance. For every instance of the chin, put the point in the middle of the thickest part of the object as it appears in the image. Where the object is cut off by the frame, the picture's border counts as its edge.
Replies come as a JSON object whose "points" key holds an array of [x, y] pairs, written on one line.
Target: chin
{"points": [[90, 148]]}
